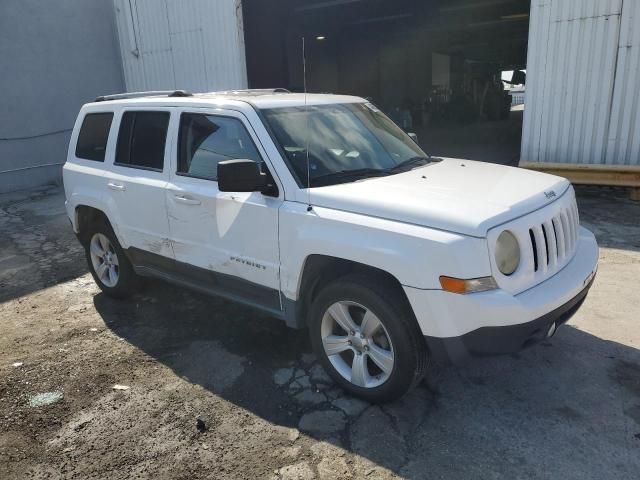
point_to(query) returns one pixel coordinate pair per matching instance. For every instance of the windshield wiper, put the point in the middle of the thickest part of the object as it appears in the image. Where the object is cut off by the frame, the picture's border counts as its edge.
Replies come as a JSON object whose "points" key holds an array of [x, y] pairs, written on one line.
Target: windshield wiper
{"points": [[354, 174], [409, 164], [360, 173]]}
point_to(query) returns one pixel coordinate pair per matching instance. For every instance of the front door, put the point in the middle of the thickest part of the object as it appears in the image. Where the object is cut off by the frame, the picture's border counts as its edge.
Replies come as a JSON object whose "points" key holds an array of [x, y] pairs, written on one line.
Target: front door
{"points": [[227, 242]]}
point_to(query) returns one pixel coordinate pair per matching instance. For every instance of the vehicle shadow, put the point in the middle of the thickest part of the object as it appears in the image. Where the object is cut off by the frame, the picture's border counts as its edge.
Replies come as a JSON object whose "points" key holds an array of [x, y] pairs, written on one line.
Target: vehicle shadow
{"points": [[571, 404]]}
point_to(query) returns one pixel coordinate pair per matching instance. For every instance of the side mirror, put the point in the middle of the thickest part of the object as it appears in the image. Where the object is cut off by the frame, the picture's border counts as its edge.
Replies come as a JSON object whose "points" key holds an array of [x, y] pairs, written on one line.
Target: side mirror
{"points": [[413, 136], [240, 176]]}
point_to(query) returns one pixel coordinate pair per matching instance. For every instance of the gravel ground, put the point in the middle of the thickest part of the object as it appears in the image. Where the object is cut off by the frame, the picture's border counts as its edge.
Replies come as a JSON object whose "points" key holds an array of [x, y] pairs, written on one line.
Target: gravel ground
{"points": [[172, 384]]}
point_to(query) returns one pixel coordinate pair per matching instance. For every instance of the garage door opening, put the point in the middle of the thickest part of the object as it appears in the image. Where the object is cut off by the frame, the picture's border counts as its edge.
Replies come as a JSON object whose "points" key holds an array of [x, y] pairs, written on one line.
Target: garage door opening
{"points": [[436, 67]]}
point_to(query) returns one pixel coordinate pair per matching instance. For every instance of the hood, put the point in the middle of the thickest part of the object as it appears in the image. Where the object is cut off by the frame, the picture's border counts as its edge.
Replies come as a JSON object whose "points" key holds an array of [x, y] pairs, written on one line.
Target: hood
{"points": [[461, 196]]}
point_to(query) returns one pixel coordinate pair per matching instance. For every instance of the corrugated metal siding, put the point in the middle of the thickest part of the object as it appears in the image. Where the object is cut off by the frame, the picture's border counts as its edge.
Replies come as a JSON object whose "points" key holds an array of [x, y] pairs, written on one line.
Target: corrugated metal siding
{"points": [[195, 45], [623, 146], [583, 77]]}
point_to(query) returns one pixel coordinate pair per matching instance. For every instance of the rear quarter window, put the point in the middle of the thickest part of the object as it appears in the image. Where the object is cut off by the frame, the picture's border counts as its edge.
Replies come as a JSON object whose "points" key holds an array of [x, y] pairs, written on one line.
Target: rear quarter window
{"points": [[93, 136]]}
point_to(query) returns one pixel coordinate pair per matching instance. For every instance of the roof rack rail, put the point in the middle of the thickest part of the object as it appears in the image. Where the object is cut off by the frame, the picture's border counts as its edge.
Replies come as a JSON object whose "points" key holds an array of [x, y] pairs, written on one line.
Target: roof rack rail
{"points": [[255, 91], [152, 93], [272, 90]]}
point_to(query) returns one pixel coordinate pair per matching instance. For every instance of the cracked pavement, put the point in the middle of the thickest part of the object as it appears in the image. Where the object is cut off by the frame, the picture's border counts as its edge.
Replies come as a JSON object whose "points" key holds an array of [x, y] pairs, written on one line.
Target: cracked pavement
{"points": [[210, 389]]}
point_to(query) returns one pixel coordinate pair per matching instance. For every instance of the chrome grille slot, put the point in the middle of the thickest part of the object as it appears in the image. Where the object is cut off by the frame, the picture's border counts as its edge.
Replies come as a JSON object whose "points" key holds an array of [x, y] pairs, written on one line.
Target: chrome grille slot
{"points": [[539, 249], [557, 227], [534, 250], [568, 240], [552, 243], [546, 243]]}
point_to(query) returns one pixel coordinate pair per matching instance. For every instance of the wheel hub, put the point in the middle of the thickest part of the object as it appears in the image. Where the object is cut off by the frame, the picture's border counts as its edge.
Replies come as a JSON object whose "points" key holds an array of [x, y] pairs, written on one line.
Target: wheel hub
{"points": [[359, 342]]}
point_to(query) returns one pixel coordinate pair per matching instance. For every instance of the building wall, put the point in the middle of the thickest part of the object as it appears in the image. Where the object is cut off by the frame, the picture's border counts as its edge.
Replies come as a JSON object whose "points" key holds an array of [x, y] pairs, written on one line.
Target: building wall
{"points": [[53, 58], [194, 45], [583, 71]]}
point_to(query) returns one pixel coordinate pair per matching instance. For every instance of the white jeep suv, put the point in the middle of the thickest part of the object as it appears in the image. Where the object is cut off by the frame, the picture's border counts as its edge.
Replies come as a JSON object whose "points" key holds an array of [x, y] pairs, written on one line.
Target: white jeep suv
{"points": [[322, 212]]}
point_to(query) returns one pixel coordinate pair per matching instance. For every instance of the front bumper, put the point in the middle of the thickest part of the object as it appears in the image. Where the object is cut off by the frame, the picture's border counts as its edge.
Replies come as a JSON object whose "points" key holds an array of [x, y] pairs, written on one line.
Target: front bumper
{"points": [[457, 327], [487, 341]]}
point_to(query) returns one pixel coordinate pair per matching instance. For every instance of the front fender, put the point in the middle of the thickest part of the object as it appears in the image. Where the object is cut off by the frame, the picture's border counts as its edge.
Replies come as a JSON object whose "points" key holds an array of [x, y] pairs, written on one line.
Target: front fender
{"points": [[413, 254]]}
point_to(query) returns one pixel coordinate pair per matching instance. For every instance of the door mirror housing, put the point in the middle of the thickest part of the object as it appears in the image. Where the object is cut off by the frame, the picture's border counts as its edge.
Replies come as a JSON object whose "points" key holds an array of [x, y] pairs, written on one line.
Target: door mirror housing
{"points": [[240, 176]]}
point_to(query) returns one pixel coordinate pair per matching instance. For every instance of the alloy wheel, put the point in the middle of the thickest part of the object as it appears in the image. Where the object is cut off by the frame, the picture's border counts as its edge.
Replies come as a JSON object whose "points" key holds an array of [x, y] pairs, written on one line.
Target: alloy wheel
{"points": [[357, 344], [104, 260]]}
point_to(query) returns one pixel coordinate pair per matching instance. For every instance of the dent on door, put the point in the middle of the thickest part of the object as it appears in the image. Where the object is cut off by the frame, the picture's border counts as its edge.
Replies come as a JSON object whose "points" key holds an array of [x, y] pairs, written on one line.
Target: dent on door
{"points": [[141, 212]]}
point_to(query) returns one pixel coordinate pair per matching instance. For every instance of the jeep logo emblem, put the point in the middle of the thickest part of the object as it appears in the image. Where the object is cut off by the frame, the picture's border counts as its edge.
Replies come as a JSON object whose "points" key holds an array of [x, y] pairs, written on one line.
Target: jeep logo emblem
{"points": [[550, 194]]}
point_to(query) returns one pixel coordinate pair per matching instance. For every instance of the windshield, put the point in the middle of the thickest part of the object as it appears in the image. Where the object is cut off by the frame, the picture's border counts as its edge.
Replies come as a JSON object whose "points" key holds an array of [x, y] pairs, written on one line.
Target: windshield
{"points": [[346, 142]]}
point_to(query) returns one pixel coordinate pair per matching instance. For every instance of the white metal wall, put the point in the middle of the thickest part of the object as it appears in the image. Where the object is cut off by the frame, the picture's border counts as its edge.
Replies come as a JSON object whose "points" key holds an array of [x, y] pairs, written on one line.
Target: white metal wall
{"points": [[583, 82], [195, 45]]}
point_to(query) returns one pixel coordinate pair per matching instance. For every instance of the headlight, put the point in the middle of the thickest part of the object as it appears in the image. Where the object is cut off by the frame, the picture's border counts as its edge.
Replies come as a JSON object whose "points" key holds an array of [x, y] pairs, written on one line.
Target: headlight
{"points": [[507, 253]]}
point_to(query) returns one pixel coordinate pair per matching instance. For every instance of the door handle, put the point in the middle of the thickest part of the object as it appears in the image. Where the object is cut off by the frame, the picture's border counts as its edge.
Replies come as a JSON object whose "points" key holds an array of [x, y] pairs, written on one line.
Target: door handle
{"points": [[186, 200], [116, 186]]}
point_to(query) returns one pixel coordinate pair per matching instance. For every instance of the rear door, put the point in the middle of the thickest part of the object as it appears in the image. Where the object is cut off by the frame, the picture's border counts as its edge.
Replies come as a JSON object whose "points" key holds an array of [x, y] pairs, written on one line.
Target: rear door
{"points": [[135, 183], [226, 241]]}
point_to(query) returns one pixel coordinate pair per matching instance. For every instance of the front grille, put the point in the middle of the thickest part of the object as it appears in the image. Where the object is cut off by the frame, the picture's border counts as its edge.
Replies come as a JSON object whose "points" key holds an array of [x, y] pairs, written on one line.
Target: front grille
{"points": [[548, 240], [554, 240]]}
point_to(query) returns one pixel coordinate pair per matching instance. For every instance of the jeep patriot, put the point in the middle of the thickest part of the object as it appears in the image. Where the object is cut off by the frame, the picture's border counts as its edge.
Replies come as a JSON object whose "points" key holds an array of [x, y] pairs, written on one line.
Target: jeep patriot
{"points": [[319, 210]]}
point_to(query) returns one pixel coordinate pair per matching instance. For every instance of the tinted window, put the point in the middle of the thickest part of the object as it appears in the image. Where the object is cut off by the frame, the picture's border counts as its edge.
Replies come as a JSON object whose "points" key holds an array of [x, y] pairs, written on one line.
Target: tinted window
{"points": [[141, 139], [206, 140], [92, 139]]}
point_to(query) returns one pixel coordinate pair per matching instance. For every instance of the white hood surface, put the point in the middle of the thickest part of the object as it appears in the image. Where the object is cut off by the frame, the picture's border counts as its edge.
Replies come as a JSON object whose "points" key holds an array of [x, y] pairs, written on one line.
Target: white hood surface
{"points": [[461, 196]]}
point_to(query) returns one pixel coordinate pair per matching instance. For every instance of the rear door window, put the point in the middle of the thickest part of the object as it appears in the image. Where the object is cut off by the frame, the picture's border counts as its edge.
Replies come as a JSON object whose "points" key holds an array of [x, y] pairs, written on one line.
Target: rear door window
{"points": [[141, 140], [93, 136]]}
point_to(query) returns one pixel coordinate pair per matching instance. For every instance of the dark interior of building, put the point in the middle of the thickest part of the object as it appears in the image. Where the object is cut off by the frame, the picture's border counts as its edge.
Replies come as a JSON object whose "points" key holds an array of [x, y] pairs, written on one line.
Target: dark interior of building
{"points": [[434, 66]]}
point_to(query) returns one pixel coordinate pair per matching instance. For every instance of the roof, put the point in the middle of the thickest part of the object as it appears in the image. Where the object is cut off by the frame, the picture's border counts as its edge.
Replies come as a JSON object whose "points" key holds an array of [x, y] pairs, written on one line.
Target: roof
{"points": [[259, 98], [275, 100]]}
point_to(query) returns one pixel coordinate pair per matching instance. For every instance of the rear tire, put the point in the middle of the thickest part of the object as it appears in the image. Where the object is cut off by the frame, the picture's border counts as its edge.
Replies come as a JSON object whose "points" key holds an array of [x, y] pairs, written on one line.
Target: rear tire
{"points": [[367, 339], [108, 263]]}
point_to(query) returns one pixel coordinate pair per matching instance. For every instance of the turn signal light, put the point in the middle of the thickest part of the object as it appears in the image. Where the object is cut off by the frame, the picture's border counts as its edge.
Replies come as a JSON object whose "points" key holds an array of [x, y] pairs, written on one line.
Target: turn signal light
{"points": [[462, 286]]}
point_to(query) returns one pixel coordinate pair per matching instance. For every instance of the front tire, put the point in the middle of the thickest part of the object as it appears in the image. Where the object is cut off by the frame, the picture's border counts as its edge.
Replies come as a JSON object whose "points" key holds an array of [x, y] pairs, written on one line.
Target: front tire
{"points": [[108, 263], [367, 339]]}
